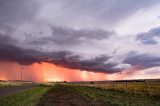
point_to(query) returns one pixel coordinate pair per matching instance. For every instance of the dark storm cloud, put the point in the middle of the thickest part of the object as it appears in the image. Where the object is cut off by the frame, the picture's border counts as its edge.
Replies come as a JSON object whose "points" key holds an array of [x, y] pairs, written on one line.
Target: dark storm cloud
{"points": [[61, 40], [143, 60], [5, 39], [96, 64], [64, 58], [16, 54], [9, 52], [67, 36], [99, 64], [149, 37]]}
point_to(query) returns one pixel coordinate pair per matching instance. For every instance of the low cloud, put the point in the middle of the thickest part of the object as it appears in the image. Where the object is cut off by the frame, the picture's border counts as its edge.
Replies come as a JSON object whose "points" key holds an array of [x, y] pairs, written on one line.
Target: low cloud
{"points": [[150, 36], [63, 58], [142, 60], [68, 36]]}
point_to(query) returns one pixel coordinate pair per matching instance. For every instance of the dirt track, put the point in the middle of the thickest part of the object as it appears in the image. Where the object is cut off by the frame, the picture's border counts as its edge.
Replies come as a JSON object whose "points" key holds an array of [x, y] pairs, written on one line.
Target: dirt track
{"points": [[10, 90], [66, 96]]}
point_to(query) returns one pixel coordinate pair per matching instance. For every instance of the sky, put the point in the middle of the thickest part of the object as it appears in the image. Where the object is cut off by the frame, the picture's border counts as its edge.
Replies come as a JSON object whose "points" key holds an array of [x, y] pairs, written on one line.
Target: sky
{"points": [[80, 39]]}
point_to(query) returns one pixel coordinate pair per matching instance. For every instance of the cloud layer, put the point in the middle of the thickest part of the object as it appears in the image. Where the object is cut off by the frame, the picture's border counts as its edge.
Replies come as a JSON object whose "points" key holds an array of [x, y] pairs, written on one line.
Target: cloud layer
{"points": [[101, 36]]}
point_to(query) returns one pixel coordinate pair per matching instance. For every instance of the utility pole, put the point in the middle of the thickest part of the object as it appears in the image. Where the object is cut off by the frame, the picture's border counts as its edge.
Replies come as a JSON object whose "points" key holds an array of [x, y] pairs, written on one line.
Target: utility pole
{"points": [[22, 73], [41, 71]]}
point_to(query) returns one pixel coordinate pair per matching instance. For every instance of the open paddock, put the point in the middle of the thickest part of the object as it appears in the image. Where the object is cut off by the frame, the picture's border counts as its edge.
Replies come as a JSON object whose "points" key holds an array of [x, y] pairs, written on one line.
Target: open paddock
{"points": [[151, 87]]}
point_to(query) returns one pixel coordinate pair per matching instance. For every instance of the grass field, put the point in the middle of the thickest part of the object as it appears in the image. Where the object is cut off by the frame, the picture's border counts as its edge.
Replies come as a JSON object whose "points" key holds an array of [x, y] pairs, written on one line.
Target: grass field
{"points": [[119, 98], [87, 94], [28, 97], [75, 95], [149, 87]]}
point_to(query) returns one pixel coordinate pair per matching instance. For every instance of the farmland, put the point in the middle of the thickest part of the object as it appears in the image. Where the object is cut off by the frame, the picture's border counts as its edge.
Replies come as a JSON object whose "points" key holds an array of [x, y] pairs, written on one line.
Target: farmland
{"points": [[65, 94], [97, 93], [151, 87]]}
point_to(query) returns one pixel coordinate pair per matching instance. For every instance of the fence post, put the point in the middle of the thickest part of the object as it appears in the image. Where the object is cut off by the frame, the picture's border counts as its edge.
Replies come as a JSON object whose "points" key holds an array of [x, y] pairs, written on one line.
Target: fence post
{"points": [[113, 84], [126, 86], [145, 83], [5, 83]]}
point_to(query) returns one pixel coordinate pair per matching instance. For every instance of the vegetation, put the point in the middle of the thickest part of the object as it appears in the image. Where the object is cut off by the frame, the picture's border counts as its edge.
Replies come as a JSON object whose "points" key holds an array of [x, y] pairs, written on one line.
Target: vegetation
{"points": [[87, 94], [151, 88], [28, 97], [9, 83], [64, 95], [118, 98], [48, 84], [61, 95]]}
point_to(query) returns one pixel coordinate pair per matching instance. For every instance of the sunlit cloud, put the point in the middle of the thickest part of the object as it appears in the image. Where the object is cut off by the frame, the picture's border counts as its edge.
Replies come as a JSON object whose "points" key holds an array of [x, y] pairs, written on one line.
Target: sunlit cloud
{"points": [[88, 40]]}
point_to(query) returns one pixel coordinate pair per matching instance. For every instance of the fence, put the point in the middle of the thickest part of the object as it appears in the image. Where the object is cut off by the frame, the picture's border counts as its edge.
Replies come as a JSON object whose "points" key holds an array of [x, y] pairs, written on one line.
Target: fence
{"points": [[144, 86]]}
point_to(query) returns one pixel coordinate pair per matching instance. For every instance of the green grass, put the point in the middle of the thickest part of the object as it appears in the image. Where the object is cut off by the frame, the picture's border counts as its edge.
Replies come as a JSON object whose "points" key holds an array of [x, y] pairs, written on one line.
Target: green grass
{"points": [[105, 97], [64, 95], [47, 84], [118, 98], [28, 97], [153, 88]]}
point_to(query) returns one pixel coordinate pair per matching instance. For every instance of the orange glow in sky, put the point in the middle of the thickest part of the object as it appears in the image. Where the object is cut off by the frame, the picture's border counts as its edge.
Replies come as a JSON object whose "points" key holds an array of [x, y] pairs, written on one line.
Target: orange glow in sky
{"points": [[50, 72], [46, 72]]}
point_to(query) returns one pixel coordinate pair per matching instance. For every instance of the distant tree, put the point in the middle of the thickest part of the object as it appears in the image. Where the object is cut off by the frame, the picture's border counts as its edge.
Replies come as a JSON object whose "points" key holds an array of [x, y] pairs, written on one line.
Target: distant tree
{"points": [[91, 82]]}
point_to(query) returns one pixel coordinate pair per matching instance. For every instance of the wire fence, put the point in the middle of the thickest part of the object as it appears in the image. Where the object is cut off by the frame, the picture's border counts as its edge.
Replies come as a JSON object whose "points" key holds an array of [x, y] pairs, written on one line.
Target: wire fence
{"points": [[152, 88]]}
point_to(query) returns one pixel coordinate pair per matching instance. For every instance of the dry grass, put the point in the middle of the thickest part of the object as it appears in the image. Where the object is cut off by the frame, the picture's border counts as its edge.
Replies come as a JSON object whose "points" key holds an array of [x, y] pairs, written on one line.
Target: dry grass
{"points": [[9, 83], [152, 88]]}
